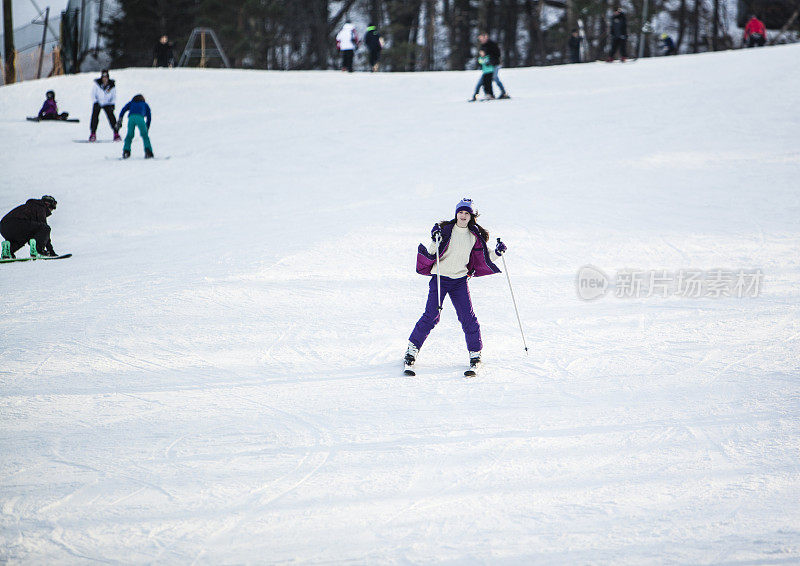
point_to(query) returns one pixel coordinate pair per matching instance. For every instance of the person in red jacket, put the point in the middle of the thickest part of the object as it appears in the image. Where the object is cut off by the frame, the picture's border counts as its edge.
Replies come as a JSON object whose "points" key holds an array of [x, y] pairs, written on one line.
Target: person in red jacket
{"points": [[755, 34]]}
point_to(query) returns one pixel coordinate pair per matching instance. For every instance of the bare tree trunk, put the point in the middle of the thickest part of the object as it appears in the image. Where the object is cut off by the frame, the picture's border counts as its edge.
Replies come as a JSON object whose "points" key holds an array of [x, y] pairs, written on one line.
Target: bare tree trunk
{"points": [[681, 25], [486, 19], [789, 23], [460, 41], [572, 17], [696, 36], [510, 23], [715, 26], [430, 32], [10, 72], [540, 18]]}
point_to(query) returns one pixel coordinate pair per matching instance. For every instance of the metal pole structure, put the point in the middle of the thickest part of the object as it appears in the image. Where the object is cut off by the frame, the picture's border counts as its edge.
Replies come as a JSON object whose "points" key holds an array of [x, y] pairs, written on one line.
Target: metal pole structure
{"points": [[505, 268], [645, 29], [9, 53], [41, 47]]}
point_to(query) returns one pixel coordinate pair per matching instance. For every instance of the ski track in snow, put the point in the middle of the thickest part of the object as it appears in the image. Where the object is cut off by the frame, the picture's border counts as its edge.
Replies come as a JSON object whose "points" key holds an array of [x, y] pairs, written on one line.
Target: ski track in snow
{"points": [[215, 376]]}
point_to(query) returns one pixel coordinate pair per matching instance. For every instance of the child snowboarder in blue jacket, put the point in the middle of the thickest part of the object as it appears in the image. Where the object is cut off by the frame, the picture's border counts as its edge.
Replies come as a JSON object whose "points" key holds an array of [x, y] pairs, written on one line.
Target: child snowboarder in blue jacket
{"points": [[139, 117]]}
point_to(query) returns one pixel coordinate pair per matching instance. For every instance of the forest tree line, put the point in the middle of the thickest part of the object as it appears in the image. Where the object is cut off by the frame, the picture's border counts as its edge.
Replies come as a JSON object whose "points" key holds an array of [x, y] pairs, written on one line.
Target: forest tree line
{"points": [[420, 35]]}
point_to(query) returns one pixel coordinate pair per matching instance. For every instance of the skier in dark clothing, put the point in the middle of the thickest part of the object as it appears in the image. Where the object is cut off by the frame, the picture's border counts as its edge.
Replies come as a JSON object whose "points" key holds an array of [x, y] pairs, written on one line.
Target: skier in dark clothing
{"points": [[492, 50], [667, 45], [28, 222], [49, 109], [574, 47], [162, 53], [619, 36], [374, 43], [459, 250]]}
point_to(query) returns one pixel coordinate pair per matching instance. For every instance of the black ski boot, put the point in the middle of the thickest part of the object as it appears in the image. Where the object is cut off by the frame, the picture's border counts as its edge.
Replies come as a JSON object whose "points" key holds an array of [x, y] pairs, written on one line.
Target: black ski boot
{"points": [[126, 154], [474, 364], [410, 359], [148, 154]]}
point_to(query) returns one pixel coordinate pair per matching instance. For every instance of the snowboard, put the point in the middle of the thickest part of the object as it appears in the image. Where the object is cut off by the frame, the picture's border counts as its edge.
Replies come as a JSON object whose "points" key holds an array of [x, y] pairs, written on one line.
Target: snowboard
{"points": [[628, 60], [132, 158], [488, 99], [37, 119], [11, 260]]}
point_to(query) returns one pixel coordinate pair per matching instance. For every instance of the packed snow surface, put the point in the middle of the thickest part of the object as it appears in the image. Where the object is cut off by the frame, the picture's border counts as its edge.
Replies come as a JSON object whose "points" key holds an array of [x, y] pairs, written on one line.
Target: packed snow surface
{"points": [[215, 377]]}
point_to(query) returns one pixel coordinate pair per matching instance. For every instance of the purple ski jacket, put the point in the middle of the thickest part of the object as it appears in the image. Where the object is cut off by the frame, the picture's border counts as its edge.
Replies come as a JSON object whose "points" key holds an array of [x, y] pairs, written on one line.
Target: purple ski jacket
{"points": [[479, 261], [48, 108]]}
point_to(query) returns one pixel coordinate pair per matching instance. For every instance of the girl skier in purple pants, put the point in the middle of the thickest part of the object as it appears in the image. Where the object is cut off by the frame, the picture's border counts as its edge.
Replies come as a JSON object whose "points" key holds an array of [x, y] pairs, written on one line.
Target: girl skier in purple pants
{"points": [[463, 253]]}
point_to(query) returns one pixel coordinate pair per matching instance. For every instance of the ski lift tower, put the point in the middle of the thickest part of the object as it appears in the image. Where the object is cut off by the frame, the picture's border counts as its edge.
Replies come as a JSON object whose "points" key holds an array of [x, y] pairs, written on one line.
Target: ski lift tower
{"points": [[203, 52]]}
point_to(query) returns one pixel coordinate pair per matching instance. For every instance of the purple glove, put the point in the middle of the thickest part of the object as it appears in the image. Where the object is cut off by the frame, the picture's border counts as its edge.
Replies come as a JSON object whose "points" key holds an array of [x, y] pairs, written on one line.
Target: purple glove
{"points": [[501, 247], [436, 231]]}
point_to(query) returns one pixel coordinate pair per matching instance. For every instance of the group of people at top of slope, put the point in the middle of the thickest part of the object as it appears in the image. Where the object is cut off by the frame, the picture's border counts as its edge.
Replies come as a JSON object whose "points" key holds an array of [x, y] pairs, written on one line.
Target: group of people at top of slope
{"points": [[755, 35], [347, 42]]}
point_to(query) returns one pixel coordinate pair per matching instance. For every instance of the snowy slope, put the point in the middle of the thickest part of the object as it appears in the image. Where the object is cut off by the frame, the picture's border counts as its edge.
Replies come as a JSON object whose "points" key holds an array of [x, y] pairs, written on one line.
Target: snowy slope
{"points": [[214, 376]]}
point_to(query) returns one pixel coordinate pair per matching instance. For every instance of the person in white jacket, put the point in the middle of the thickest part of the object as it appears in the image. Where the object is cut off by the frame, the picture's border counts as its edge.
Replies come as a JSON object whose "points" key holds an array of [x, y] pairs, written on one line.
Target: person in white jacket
{"points": [[347, 43], [104, 96]]}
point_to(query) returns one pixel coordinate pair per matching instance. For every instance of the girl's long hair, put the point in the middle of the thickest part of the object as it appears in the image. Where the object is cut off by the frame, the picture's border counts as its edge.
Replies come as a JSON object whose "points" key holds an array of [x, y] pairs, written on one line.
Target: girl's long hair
{"points": [[471, 224]]}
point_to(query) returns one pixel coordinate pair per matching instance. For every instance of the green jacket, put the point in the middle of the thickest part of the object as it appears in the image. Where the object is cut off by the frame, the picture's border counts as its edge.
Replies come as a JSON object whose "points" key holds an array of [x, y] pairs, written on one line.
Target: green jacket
{"points": [[485, 66]]}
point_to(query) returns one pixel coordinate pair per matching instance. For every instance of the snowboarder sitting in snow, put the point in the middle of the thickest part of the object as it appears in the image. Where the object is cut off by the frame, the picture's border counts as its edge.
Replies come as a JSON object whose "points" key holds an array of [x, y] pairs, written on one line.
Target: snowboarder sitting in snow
{"points": [[26, 222], [463, 253], [139, 118], [49, 109]]}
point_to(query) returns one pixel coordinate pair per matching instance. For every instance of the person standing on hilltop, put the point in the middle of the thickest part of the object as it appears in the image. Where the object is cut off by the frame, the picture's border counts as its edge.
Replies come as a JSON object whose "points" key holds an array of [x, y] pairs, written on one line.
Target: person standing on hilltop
{"points": [[619, 36], [347, 43], [162, 53], [374, 43]]}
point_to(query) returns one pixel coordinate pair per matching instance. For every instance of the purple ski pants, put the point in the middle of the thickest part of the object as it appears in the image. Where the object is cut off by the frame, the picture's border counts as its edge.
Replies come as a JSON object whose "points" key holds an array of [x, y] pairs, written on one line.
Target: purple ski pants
{"points": [[459, 295]]}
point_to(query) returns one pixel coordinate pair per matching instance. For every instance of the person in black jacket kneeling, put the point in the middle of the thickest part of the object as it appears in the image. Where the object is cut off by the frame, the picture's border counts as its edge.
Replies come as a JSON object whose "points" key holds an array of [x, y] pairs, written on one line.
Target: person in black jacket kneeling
{"points": [[26, 222]]}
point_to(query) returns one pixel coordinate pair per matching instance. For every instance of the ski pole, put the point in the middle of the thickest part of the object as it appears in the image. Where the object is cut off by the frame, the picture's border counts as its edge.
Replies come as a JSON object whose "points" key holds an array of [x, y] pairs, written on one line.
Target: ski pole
{"points": [[505, 268], [438, 277]]}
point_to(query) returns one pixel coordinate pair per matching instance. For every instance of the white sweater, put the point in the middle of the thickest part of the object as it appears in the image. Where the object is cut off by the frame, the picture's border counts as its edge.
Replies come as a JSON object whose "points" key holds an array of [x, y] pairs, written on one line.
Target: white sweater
{"points": [[346, 37], [102, 97], [453, 262]]}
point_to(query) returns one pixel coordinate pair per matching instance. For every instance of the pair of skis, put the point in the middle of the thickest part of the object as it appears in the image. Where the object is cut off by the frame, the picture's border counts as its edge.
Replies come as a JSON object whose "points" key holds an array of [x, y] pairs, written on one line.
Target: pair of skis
{"points": [[472, 371]]}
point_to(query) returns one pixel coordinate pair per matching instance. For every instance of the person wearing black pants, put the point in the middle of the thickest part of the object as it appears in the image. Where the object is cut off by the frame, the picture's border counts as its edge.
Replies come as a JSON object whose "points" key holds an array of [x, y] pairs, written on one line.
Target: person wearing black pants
{"points": [[104, 97], [619, 35], [29, 221]]}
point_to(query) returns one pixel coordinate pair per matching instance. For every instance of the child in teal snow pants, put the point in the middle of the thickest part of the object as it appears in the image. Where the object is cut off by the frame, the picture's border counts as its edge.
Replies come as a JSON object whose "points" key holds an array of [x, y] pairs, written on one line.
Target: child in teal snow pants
{"points": [[139, 117]]}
